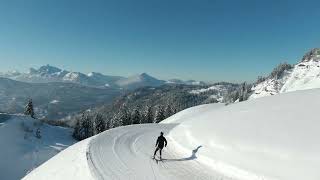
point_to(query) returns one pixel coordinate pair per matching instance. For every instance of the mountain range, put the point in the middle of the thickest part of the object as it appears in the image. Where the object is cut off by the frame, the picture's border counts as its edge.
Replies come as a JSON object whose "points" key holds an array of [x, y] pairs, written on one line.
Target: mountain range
{"points": [[49, 73]]}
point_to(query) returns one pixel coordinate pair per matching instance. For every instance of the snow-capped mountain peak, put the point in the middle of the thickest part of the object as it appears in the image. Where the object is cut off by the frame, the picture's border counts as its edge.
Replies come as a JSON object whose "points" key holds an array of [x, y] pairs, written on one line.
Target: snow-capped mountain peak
{"points": [[49, 69], [46, 71], [73, 76], [144, 76], [139, 80], [94, 74]]}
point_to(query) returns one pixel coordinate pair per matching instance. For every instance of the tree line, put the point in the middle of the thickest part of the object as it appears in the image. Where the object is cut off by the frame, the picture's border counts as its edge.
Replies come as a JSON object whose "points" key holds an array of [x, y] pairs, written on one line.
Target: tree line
{"points": [[90, 124]]}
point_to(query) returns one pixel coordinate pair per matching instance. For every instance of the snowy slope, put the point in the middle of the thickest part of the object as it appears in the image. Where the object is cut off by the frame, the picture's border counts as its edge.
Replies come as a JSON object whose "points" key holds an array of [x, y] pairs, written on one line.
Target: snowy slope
{"points": [[267, 138], [124, 153], [304, 75], [206, 142], [21, 151], [270, 86]]}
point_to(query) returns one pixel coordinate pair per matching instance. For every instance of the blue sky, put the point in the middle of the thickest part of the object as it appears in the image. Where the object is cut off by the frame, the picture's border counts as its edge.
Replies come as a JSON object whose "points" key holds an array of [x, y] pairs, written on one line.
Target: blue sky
{"points": [[207, 40]]}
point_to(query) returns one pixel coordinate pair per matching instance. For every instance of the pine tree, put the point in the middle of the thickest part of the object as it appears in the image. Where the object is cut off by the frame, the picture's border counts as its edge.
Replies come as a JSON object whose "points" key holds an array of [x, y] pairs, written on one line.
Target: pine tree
{"points": [[160, 114], [100, 124], [87, 129], [84, 128], [136, 117], [168, 111], [109, 125], [77, 132], [174, 111], [124, 116], [29, 109], [148, 115]]}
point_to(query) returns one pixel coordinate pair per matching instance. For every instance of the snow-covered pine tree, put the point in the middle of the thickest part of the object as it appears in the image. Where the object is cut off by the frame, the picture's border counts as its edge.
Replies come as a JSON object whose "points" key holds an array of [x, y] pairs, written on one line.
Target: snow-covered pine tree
{"points": [[168, 111], [174, 110], [84, 128], [92, 126], [148, 115], [77, 129], [100, 124], [136, 117], [123, 116], [109, 124], [160, 114], [29, 109], [244, 92]]}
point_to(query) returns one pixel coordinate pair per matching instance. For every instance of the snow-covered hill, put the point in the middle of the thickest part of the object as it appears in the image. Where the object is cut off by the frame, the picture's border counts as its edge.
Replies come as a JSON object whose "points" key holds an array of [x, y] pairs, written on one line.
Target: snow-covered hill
{"points": [[241, 142], [205, 142], [22, 150], [304, 75]]}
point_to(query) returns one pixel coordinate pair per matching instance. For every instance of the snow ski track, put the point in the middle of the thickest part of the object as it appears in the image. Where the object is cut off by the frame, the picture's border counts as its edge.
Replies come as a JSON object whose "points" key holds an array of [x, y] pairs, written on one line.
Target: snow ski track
{"points": [[125, 154]]}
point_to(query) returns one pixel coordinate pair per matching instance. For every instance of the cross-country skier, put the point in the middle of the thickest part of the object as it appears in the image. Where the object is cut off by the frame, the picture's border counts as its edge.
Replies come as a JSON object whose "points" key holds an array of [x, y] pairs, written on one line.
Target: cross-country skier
{"points": [[161, 142]]}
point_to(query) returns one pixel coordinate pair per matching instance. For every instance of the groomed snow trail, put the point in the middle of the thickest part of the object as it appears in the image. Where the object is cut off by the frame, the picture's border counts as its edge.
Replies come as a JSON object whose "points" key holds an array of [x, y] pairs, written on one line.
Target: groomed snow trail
{"points": [[125, 153]]}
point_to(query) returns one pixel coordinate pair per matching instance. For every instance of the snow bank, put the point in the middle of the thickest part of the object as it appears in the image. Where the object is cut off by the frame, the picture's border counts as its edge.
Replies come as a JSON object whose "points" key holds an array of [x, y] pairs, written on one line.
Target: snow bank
{"points": [[268, 138], [21, 151], [306, 75], [69, 164]]}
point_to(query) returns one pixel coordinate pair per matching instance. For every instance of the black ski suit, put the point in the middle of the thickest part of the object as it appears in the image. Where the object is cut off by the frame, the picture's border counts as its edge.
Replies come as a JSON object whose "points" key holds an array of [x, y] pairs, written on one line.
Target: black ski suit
{"points": [[161, 142]]}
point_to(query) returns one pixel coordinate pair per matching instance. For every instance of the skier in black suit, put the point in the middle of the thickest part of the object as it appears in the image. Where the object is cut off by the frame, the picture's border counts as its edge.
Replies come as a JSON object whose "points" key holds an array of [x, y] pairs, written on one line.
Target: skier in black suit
{"points": [[161, 142]]}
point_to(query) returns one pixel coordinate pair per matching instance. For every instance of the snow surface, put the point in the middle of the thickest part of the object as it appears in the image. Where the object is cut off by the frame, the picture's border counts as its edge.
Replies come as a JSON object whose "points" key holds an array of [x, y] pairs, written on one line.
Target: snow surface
{"points": [[184, 115], [269, 87], [268, 138], [21, 151], [69, 164], [306, 75]]}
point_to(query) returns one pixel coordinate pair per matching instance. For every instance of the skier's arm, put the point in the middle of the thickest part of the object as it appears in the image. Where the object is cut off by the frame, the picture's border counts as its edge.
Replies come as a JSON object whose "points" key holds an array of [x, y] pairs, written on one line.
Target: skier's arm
{"points": [[157, 142]]}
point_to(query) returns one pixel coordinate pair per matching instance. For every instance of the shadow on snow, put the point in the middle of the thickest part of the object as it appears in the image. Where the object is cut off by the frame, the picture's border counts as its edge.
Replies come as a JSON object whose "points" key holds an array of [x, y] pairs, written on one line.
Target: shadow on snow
{"points": [[191, 157]]}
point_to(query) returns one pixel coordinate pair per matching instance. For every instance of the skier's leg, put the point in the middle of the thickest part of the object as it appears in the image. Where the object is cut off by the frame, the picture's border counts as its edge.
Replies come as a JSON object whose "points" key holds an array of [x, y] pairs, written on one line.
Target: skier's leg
{"points": [[161, 153], [155, 152]]}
